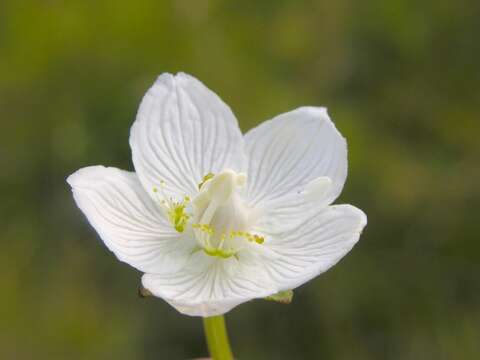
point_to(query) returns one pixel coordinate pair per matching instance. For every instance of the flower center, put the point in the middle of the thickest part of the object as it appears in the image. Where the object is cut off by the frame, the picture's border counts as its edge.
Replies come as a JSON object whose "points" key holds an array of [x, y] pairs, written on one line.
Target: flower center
{"points": [[218, 217]]}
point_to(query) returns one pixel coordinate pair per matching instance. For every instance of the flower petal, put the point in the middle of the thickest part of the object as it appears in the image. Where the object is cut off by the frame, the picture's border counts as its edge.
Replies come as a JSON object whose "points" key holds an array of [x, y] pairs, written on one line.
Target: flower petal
{"points": [[290, 151], [314, 246], [182, 132], [210, 286], [128, 221]]}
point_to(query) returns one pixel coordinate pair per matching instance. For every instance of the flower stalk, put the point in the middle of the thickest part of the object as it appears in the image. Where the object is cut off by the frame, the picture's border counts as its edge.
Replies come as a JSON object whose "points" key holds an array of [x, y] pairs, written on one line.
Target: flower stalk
{"points": [[217, 338]]}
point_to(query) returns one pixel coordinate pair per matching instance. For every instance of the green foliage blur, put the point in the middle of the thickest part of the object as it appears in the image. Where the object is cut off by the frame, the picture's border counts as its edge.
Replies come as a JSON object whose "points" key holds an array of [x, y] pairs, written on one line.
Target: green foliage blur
{"points": [[401, 80]]}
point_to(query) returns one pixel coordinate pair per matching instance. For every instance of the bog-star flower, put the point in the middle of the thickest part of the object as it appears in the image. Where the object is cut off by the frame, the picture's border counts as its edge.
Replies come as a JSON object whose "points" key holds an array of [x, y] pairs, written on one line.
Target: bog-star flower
{"points": [[214, 218]]}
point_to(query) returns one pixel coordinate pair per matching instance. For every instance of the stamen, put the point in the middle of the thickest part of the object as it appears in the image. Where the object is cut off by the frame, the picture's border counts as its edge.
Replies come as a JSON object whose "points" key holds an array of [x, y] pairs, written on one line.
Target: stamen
{"points": [[249, 236], [175, 210], [178, 216], [205, 179], [204, 227], [208, 231], [222, 241]]}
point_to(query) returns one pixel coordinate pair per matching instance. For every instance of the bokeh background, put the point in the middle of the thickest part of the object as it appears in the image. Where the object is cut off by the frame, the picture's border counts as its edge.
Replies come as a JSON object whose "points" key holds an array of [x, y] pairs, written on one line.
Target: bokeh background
{"points": [[401, 80]]}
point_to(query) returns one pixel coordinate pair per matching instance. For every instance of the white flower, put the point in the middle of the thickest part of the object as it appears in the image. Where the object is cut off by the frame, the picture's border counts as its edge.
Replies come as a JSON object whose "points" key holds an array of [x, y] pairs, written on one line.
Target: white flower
{"points": [[214, 218]]}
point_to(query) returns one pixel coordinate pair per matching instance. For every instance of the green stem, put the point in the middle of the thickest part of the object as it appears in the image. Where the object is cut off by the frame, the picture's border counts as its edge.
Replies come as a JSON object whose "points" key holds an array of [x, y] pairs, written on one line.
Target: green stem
{"points": [[217, 338]]}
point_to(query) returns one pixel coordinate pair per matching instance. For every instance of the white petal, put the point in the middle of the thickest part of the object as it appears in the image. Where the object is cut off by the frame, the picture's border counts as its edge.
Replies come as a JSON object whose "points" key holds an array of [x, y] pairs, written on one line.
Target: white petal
{"points": [[313, 246], [317, 189], [128, 221], [182, 132], [210, 286], [287, 153], [290, 210]]}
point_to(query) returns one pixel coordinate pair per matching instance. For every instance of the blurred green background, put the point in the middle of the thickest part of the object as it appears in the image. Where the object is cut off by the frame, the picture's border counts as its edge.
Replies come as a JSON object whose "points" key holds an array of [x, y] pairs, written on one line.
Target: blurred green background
{"points": [[401, 80]]}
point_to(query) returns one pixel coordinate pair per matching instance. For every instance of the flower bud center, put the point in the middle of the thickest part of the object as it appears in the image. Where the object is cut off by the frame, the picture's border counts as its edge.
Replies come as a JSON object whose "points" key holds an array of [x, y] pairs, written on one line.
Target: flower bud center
{"points": [[219, 217]]}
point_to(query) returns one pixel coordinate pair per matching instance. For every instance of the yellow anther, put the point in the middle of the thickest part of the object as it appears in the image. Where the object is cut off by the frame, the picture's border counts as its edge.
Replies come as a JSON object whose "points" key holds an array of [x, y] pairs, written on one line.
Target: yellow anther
{"points": [[246, 235], [204, 227], [205, 179], [178, 216], [258, 239], [176, 211]]}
